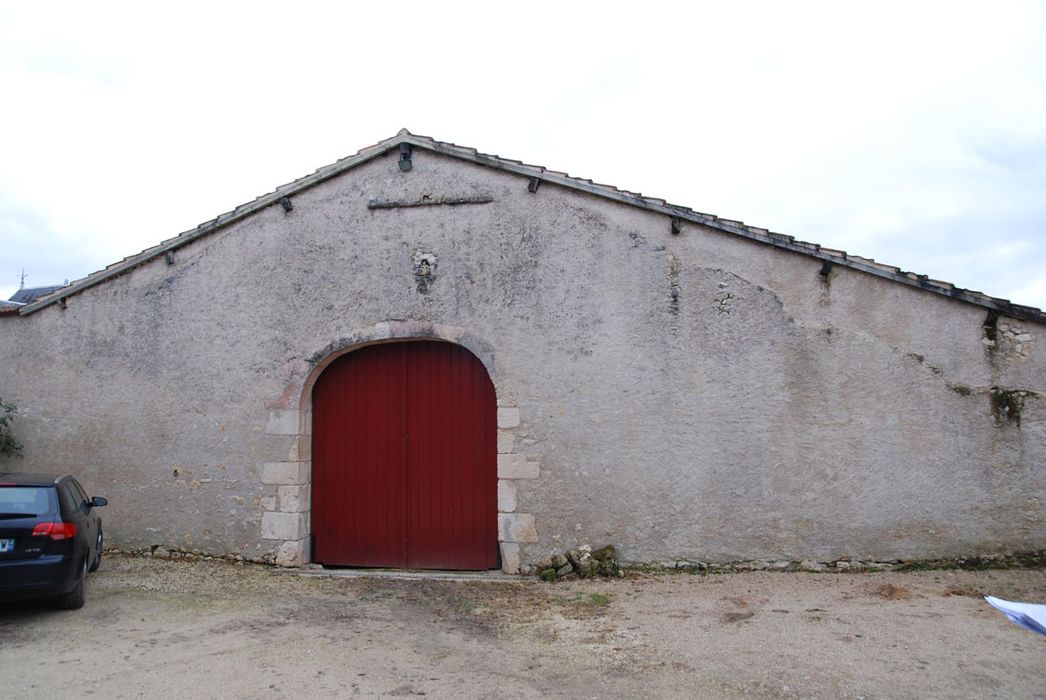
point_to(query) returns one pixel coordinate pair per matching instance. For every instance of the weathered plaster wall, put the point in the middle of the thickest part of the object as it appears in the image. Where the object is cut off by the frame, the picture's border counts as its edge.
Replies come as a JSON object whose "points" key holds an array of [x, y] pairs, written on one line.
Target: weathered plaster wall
{"points": [[693, 396]]}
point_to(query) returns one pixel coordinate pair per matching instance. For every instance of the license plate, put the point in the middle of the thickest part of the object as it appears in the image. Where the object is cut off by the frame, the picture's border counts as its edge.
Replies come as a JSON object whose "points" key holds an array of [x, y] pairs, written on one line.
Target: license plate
{"points": [[7, 546]]}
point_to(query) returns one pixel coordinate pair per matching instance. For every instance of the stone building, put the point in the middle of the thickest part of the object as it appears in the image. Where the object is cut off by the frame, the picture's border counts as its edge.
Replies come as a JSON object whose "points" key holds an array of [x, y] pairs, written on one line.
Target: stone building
{"points": [[422, 355]]}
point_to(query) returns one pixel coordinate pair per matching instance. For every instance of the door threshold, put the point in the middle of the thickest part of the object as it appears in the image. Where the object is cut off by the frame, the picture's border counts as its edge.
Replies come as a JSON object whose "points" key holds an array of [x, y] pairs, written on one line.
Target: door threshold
{"points": [[494, 575]]}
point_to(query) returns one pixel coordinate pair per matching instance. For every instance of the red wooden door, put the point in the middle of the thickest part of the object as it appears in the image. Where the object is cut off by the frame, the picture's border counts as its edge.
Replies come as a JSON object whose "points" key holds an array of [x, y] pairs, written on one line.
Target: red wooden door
{"points": [[404, 460]]}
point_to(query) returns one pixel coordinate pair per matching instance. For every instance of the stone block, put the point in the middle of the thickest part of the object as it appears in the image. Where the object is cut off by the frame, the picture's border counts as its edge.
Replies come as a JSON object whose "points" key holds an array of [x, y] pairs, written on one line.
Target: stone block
{"points": [[506, 441], [293, 499], [508, 417], [509, 557], [283, 526], [516, 527], [301, 449], [285, 473], [267, 502], [293, 553], [517, 467], [283, 421], [506, 496]]}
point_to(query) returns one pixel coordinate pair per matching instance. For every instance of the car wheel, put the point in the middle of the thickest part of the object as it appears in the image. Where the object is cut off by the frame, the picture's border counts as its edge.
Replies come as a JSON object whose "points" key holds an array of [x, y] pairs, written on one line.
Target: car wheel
{"points": [[97, 553], [75, 598]]}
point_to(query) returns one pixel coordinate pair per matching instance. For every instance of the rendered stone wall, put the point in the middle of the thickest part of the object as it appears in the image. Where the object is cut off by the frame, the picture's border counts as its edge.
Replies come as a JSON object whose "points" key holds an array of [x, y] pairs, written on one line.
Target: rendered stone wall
{"points": [[690, 397]]}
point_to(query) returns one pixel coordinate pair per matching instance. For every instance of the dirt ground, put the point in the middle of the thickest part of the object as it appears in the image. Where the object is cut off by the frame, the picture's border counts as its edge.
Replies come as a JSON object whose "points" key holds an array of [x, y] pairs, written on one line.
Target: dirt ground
{"points": [[209, 629]]}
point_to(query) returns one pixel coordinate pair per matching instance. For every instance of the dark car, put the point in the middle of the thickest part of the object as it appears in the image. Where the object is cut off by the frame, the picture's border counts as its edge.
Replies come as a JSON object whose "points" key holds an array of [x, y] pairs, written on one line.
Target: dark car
{"points": [[50, 537]]}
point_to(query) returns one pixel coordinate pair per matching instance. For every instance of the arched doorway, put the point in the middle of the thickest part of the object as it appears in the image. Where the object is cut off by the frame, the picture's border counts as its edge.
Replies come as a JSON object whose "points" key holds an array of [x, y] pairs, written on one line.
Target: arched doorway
{"points": [[404, 459]]}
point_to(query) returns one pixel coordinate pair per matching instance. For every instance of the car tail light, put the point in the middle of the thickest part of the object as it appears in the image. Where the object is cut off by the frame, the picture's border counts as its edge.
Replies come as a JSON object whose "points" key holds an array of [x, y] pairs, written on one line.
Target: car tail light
{"points": [[56, 531]]}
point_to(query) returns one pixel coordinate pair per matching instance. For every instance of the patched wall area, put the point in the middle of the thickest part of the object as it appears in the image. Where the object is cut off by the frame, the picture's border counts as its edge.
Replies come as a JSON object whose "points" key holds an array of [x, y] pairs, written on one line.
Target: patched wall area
{"points": [[684, 395]]}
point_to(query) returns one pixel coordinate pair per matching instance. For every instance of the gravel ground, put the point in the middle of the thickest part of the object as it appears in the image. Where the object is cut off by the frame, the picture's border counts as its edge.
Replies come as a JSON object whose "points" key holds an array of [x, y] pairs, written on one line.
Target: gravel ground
{"points": [[209, 629]]}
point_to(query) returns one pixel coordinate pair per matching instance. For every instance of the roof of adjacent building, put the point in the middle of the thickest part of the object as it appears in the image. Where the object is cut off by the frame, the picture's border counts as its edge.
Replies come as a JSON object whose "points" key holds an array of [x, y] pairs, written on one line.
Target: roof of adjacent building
{"points": [[27, 295], [562, 179], [9, 307]]}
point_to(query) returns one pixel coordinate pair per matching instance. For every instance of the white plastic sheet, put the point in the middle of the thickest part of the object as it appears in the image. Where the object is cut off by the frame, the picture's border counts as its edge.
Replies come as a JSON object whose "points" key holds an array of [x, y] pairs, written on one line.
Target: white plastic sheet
{"points": [[1030, 615]]}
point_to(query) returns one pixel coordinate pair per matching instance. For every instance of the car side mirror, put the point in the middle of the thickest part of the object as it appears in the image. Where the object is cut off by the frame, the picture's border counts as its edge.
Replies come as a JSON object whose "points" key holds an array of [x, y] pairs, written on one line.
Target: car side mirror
{"points": [[98, 501]]}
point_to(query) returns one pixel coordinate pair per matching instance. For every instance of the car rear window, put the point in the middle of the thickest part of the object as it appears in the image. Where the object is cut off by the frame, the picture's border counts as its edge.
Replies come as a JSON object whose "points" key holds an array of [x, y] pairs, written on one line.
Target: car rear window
{"points": [[27, 500]]}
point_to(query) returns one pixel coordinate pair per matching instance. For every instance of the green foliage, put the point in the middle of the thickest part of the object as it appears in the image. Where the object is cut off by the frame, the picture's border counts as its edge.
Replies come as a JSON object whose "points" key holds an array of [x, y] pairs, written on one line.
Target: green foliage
{"points": [[1007, 405], [598, 599], [584, 600], [8, 445]]}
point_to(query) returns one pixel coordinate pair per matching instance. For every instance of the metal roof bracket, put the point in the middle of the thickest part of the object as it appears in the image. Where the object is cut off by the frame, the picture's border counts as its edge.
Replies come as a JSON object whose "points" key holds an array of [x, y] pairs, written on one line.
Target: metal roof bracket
{"points": [[825, 271]]}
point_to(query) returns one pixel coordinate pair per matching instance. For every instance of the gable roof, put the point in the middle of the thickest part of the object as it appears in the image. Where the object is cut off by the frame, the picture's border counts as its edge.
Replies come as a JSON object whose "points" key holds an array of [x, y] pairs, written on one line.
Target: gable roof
{"points": [[562, 179]]}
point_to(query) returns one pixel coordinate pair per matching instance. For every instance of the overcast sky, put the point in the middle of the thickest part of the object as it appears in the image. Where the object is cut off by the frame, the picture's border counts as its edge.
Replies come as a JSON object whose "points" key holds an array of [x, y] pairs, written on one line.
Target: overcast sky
{"points": [[911, 132]]}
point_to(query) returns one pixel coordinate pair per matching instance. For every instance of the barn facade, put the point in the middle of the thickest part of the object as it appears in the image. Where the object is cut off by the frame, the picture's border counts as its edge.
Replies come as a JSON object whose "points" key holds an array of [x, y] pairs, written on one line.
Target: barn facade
{"points": [[424, 356]]}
